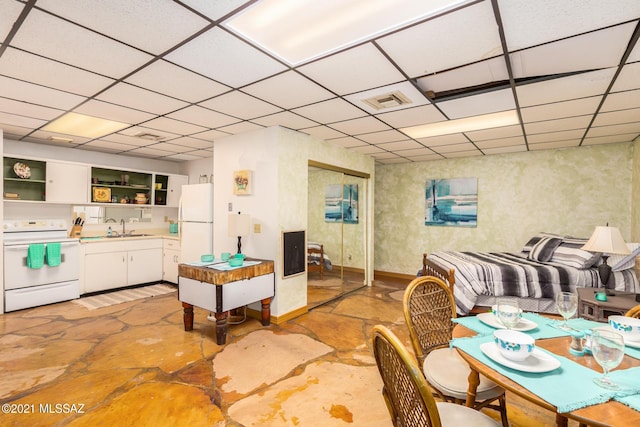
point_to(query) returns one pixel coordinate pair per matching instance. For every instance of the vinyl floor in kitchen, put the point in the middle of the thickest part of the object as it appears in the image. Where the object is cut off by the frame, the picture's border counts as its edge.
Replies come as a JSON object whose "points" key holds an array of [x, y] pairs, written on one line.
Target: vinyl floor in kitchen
{"points": [[132, 364]]}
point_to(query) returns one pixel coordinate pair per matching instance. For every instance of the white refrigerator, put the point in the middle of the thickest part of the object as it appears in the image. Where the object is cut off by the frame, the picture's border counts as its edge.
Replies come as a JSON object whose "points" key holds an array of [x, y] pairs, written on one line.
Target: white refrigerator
{"points": [[195, 221]]}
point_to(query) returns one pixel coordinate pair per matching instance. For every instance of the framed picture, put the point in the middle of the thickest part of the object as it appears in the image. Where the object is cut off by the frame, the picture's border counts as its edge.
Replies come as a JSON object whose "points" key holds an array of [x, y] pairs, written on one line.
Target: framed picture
{"points": [[242, 182], [451, 202], [341, 203]]}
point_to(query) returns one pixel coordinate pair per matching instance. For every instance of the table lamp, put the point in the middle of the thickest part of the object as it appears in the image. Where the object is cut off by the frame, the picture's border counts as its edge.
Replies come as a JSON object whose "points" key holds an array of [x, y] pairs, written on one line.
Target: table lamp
{"points": [[606, 240], [239, 225]]}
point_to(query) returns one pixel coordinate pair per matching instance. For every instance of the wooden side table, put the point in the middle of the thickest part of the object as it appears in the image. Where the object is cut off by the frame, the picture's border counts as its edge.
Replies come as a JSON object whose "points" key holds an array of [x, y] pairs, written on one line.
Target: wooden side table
{"points": [[590, 308]]}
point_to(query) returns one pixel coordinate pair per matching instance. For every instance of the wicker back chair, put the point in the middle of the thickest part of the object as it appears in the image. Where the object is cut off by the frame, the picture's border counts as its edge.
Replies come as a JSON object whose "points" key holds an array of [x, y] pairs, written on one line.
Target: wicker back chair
{"points": [[429, 308], [407, 394], [634, 312]]}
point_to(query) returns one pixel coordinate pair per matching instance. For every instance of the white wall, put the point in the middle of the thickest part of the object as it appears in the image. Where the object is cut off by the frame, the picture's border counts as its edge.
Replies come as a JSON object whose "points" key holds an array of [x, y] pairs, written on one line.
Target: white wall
{"points": [[279, 160]]}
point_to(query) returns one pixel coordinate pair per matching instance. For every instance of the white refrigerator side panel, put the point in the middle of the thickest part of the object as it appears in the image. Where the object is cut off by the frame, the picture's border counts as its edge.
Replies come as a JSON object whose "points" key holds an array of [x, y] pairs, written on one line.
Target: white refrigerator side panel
{"points": [[196, 203], [196, 238]]}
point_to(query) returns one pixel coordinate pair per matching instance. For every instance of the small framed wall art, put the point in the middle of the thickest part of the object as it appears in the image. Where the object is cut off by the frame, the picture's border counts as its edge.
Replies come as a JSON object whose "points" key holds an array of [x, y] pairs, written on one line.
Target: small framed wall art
{"points": [[242, 182]]}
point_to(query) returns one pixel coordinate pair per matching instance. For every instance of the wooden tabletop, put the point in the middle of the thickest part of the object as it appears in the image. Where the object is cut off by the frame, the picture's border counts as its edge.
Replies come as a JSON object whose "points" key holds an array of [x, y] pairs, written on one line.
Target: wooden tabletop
{"points": [[221, 277], [605, 414]]}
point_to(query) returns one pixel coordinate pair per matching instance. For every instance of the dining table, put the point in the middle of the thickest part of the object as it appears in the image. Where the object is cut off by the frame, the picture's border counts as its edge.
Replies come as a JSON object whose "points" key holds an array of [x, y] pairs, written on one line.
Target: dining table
{"points": [[623, 409]]}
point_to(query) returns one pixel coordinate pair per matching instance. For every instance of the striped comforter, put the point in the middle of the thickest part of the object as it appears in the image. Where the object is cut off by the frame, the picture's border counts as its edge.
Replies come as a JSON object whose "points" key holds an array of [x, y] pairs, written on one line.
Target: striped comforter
{"points": [[512, 274]]}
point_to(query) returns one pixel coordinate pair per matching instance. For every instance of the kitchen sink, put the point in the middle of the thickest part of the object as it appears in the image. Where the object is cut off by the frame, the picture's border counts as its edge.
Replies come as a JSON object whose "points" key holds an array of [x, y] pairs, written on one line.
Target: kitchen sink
{"points": [[121, 236]]}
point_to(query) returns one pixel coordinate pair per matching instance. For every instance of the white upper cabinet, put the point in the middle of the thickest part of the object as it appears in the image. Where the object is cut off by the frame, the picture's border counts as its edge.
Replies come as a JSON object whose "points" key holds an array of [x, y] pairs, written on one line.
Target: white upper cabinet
{"points": [[67, 183]]}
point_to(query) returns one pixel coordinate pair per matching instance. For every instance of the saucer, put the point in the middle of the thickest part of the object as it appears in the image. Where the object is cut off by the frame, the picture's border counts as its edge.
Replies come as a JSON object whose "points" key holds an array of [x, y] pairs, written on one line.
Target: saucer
{"points": [[538, 361], [631, 343], [491, 320]]}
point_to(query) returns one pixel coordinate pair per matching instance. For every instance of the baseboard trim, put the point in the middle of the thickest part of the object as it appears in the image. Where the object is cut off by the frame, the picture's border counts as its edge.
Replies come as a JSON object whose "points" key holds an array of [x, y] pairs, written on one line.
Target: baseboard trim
{"points": [[377, 274], [278, 320]]}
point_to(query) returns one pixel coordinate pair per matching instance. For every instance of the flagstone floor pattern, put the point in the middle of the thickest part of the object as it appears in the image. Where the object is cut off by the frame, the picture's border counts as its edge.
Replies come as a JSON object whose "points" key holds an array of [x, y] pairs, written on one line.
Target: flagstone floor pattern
{"points": [[132, 364]]}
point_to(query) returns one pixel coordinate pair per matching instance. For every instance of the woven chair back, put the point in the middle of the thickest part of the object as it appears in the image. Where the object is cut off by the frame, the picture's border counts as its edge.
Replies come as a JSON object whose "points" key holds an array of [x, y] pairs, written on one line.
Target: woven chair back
{"points": [[406, 392]]}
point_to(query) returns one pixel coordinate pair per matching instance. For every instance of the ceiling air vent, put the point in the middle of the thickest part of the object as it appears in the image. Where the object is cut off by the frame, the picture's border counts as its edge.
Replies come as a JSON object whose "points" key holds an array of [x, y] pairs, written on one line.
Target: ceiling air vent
{"points": [[148, 136], [389, 100]]}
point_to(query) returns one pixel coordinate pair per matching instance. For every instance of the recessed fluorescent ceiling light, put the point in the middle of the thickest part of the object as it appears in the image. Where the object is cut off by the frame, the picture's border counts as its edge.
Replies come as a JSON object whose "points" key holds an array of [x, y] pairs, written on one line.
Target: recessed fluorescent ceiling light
{"points": [[468, 124], [86, 126], [300, 30]]}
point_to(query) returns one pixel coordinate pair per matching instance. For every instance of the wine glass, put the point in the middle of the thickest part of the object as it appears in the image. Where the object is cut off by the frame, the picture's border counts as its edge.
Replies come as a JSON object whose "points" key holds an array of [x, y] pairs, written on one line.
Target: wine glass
{"points": [[608, 350], [508, 312], [567, 305]]}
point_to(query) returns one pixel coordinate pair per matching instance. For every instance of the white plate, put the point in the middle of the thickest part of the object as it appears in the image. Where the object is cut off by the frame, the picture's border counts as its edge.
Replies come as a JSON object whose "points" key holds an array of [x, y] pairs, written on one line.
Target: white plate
{"points": [[21, 170], [627, 341], [522, 326], [538, 361]]}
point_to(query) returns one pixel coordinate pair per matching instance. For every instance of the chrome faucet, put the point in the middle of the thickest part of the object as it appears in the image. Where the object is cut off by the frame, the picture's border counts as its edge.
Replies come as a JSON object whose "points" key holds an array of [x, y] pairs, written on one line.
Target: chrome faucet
{"points": [[122, 222]]}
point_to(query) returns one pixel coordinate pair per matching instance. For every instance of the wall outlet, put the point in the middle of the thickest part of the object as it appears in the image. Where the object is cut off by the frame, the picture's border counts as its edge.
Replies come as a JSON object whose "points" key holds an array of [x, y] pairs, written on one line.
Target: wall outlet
{"points": [[257, 229], [230, 207]]}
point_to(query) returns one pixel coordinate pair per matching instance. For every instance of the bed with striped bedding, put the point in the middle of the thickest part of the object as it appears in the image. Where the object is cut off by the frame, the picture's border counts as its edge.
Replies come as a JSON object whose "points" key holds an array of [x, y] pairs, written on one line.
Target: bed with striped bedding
{"points": [[497, 274]]}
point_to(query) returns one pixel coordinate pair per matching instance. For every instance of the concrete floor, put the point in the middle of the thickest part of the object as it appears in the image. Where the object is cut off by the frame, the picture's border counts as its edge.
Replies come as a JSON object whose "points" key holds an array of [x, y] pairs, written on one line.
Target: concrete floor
{"points": [[132, 364]]}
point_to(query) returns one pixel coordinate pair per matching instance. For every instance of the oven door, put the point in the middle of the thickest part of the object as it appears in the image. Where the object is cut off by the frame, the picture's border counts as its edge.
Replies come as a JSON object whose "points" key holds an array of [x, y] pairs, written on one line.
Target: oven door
{"points": [[17, 275]]}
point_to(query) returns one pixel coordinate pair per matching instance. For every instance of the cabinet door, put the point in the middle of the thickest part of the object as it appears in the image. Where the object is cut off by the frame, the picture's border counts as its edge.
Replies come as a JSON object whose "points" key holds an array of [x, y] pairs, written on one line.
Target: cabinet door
{"points": [[171, 259], [145, 266], [67, 183], [174, 189], [105, 271]]}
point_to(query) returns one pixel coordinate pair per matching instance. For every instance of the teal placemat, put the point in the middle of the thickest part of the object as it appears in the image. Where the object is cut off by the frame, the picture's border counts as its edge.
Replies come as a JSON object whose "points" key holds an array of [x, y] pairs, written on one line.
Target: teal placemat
{"points": [[568, 387], [224, 266]]}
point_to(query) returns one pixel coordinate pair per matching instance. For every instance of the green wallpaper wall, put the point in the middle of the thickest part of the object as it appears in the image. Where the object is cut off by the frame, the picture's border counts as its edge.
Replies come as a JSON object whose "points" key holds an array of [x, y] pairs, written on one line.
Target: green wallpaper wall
{"points": [[567, 191]]}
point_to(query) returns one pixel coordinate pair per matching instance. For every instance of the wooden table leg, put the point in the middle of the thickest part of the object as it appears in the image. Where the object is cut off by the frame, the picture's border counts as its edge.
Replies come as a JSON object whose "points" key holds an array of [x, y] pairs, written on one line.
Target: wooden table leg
{"points": [[561, 421], [221, 327], [266, 312], [474, 380], [187, 316]]}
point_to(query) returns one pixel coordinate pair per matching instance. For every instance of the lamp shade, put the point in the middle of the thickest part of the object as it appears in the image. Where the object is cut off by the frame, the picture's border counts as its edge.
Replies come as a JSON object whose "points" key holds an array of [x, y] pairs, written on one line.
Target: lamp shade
{"points": [[239, 225], [607, 240]]}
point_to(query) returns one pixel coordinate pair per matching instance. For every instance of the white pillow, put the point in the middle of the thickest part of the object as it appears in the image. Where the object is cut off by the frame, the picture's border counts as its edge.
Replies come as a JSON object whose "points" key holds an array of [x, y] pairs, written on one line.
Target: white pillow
{"points": [[624, 262]]}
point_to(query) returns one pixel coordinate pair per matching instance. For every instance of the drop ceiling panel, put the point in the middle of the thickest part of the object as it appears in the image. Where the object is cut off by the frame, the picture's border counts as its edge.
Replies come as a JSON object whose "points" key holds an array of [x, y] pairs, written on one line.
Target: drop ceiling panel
{"points": [[286, 119], [554, 145], [40, 95], [214, 10], [575, 134], [462, 154], [437, 141], [571, 123], [350, 142], [635, 54], [614, 129], [126, 139], [498, 143], [149, 152], [496, 133], [412, 116], [136, 130], [140, 99], [373, 150], [25, 66], [288, 90], [240, 127], [451, 40], [107, 146], [361, 125], [382, 137], [20, 121], [170, 147], [238, 104], [153, 26], [529, 23], [562, 89], [10, 11], [174, 126], [400, 146], [331, 111], [505, 150], [491, 70], [203, 117], [323, 132], [209, 135], [417, 152], [484, 103], [46, 135], [354, 70], [622, 101], [576, 107], [617, 117], [611, 139], [590, 51], [164, 77], [187, 141], [407, 89], [223, 57], [57, 39], [29, 110], [628, 79], [110, 111]]}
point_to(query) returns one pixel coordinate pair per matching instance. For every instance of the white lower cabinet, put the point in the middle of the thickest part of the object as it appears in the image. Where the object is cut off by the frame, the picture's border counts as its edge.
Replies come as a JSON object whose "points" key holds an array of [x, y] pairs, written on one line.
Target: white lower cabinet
{"points": [[115, 264], [170, 260]]}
